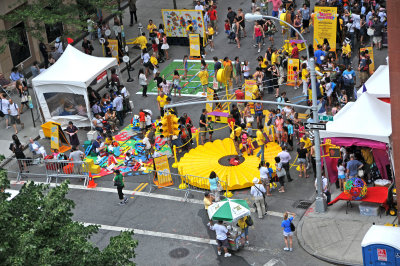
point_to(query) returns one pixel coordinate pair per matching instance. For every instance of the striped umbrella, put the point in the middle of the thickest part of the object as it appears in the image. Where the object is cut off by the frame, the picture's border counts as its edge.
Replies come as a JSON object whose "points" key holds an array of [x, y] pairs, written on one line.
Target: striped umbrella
{"points": [[229, 210]]}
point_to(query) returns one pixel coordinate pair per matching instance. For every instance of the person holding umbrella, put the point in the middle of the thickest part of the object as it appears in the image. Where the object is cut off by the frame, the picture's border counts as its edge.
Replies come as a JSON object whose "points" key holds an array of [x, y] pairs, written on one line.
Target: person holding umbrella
{"points": [[222, 237]]}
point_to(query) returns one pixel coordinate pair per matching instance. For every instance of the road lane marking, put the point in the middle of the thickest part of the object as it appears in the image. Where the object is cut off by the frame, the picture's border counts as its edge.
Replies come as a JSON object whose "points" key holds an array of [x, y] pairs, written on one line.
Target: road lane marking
{"points": [[172, 236], [139, 188], [271, 262]]}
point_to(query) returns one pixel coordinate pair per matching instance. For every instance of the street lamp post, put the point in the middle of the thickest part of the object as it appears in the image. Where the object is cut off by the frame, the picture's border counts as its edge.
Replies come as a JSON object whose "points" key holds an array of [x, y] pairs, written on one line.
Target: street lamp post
{"points": [[320, 201]]}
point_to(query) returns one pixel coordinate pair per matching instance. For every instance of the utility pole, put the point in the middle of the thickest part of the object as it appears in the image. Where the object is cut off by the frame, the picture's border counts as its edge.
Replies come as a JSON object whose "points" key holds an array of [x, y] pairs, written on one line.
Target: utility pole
{"points": [[174, 1]]}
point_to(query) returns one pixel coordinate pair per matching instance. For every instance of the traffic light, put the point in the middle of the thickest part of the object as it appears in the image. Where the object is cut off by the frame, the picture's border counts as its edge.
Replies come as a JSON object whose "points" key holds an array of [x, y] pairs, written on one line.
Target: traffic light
{"points": [[170, 125]]}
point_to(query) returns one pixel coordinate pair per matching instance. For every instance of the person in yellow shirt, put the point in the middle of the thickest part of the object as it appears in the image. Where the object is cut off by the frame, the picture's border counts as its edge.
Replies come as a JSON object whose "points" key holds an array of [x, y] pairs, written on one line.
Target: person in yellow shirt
{"points": [[161, 101], [304, 76], [210, 36], [274, 57], [346, 53], [260, 141], [245, 228], [141, 40], [307, 145], [154, 62], [235, 135], [151, 27], [203, 75]]}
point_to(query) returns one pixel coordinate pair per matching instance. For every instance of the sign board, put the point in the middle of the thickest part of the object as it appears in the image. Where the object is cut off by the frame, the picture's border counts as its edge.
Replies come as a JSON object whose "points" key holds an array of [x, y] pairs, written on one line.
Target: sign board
{"points": [[325, 118], [54, 139], [102, 76], [176, 21], [325, 26], [194, 45], [382, 255], [163, 172], [334, 153], [315, 126], [113, 45], [371, 56], [290, 73], [210, 97], [248, 90]]}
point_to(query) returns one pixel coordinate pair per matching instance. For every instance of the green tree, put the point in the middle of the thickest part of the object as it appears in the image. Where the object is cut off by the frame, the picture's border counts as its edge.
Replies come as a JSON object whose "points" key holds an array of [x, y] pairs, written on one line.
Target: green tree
{"points": [[36, 14], [36, 229]]}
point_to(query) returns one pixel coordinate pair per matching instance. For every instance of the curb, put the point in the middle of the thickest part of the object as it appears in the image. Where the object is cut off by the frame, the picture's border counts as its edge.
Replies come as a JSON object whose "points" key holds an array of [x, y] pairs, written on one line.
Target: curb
{"points": [[314, 253]]}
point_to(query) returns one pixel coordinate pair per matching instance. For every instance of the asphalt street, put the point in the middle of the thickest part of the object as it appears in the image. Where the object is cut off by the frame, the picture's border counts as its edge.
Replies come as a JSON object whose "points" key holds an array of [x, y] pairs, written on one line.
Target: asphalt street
{"points": [[172, 232]]}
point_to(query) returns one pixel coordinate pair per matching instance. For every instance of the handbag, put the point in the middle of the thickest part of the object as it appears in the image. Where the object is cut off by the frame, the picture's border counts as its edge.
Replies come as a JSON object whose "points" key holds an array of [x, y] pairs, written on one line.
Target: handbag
{"points": [[281, 172], [360, 173], [370, 31], [292, 227]]}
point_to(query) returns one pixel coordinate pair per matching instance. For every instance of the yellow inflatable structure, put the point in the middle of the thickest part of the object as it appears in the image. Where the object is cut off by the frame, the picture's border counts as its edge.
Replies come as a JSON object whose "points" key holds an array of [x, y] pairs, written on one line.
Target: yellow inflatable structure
{"points": [[206, 158]]}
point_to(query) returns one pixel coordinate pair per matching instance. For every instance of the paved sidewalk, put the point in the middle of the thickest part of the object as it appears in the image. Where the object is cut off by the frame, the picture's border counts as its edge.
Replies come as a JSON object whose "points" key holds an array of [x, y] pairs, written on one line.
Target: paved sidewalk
{"points": [[335, 236]]}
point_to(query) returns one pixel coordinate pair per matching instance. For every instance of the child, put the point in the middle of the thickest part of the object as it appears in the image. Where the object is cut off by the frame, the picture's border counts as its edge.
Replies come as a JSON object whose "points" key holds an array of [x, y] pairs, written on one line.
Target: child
{"points": [[203, 75], [185, 66], [210, 127], [210, 36], [249, 129], [227, 28], [290, 131], [176, 83], [284, 137], [55, 153], [154, 45], [129, 160], [341, 167], [295, 77]]}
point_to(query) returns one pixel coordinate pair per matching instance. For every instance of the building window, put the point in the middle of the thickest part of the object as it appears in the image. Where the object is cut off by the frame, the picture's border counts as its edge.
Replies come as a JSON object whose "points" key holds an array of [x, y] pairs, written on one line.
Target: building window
{"points": [[54, 31], [20, 48]]}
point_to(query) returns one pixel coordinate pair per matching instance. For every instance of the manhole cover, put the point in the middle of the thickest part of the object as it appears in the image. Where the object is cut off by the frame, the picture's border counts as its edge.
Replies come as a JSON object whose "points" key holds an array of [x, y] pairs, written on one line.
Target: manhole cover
{"points": [[302, 204], [225, 161], [179, 253]]}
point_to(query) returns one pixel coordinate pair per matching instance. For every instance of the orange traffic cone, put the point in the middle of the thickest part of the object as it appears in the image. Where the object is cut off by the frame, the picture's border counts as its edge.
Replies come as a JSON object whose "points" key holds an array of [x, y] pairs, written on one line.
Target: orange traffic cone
{"points": [[91, 184]]}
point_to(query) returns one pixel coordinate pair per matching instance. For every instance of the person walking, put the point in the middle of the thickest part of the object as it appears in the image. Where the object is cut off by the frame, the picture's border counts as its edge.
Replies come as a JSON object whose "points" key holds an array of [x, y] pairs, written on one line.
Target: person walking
{"points": [[72, 131], [203, 126], [132, 11], [285, 157], [15, 114], [222, 237], [119, 183], [143, 82], [5, 106], [280, 173], [257, 191], [18, 149], [287, 230], [214, 182]]}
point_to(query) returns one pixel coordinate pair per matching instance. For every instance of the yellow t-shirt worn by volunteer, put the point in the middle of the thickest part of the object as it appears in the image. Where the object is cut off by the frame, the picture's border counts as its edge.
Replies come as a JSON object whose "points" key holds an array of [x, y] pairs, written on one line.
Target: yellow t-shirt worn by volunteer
{"points": [[162, 100], [260, 138]]}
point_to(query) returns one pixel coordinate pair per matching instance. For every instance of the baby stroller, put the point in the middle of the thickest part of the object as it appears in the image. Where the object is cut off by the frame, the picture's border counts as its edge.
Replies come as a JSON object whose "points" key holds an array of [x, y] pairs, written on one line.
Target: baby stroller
{"points": [[232, 37]]}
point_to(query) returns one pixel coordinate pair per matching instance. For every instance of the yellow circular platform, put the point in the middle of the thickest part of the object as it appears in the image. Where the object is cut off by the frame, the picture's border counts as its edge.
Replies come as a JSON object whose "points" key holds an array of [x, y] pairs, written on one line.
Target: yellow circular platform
{"points": [[204, 159]]}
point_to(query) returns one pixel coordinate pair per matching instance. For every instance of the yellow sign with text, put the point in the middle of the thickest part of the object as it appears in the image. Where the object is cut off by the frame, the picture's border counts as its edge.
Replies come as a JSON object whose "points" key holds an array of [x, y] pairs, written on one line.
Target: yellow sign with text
{"points": [[325, 26], [210, 97], [371, 56], [163, 176], [54, 139], [291, 75], [113, 45], [194, 45]]}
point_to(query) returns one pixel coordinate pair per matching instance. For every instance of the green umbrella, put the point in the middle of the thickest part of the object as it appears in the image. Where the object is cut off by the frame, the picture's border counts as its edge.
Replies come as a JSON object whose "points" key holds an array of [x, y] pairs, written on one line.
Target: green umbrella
{"points": [[229, 210]]}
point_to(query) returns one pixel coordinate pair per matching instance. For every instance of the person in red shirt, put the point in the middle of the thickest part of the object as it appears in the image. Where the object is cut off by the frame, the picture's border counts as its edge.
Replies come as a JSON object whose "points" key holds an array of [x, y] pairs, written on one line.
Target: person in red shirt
{"points": [[142, 122], [240, 96], [295, 51], [212, 13]]}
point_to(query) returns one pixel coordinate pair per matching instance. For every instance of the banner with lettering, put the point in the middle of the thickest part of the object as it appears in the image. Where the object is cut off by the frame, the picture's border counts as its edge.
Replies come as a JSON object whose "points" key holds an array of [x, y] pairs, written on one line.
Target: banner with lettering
{"points": [[325, 26]]}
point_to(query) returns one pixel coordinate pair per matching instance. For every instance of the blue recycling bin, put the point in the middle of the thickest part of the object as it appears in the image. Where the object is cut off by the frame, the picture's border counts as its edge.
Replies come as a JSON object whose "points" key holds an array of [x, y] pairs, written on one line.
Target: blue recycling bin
{"points": [[381, 246]]}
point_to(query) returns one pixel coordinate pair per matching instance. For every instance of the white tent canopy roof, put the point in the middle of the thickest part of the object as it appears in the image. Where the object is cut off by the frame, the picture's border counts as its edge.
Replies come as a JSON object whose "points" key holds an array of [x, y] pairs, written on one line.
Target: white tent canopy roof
{"points": [[378, 84], [367, 118], [74, 68]]}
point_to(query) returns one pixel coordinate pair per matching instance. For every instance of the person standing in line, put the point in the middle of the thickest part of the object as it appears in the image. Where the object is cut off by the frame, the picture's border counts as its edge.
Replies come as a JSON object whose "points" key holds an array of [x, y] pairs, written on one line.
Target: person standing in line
{"points": [[257, 191], [4, 106], [214, 180], [222, 237], [341, 167], [15, 114], [285, 157], [72, 131], [265, 176], [203, 126], [132, 11], [287, 230], [143, 82], [119, 183]]}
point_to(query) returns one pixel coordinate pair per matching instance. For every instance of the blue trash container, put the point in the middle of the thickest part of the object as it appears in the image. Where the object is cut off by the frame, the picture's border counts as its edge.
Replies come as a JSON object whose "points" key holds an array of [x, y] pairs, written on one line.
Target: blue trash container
{"points": [[381, 246]]}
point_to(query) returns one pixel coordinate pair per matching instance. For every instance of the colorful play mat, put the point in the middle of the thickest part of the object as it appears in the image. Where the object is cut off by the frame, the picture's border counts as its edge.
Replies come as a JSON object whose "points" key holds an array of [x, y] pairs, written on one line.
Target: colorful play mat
{"points": [[128, 141], [212, 156]]}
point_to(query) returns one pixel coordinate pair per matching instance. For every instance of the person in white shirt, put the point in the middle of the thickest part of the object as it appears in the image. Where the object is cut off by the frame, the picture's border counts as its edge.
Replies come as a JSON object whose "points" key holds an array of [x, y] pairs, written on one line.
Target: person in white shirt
{"points": [[147, 148], [199, 6], [4, 106], [257, 191], [143, 82], [222, 237], [35, 147], [285, 158], [14, 113], [325, 188], [119, 107]]}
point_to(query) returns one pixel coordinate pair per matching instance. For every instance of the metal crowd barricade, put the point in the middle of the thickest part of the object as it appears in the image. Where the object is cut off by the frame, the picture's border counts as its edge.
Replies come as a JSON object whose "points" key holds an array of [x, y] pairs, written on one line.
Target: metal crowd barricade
{"points": [[24, 168], [66, 169], [186, 183]]}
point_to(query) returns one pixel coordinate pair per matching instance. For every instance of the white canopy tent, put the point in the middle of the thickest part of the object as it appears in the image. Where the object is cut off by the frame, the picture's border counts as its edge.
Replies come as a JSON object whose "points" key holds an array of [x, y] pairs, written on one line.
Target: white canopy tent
{"points": [[367, 118], [61, 90], [378, 84]]}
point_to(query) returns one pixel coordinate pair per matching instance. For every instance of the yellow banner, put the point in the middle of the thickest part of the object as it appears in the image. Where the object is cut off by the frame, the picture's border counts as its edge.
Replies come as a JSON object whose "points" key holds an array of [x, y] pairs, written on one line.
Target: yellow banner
{"points": [[210, 97], [194, 45], [113, 45], [163, 172], [248, 86], [54, 139], [371, 56], [325, 27], [290, 72]]}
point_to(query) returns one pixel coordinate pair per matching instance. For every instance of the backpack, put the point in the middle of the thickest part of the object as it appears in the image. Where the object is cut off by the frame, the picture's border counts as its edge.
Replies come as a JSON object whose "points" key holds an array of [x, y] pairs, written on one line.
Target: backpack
{"points": [[249, 221]]}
